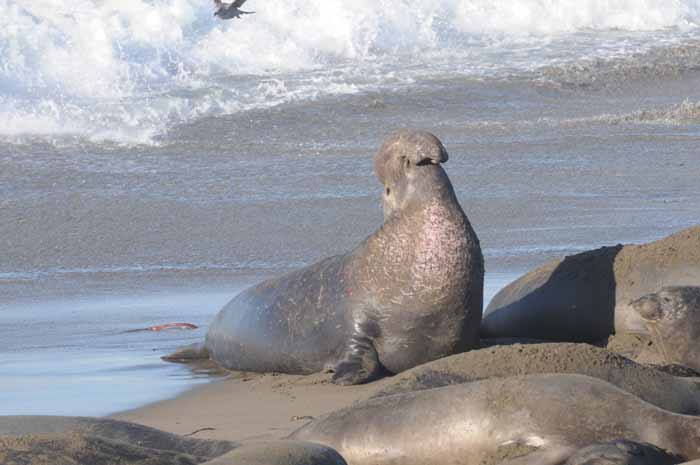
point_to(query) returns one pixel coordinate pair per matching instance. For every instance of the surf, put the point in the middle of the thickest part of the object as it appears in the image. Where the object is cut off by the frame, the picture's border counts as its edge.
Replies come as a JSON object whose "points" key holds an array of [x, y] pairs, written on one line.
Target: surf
{"points": [[127, 72]]}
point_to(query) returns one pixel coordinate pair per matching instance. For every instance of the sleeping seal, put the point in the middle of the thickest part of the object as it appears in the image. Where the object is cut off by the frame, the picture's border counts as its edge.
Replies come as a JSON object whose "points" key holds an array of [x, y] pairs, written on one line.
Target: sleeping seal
{"points": [[106, 431], [587, 297], [410, 293], [55, 440], [493, 420], [678, 395]]}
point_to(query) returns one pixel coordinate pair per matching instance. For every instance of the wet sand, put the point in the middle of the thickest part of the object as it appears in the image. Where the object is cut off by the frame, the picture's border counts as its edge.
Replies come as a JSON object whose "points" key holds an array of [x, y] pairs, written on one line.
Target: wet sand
{"points": [[248, 406]]}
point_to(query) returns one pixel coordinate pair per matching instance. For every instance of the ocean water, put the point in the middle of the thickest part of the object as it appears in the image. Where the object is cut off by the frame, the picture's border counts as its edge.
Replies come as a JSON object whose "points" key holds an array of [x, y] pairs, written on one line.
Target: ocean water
{"points": [[131, 72], [154, 160]]}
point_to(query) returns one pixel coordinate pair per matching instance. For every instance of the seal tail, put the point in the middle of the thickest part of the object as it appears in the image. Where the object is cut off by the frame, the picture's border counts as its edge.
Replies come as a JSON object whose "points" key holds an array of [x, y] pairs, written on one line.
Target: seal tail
{"points": [[188, 353]]}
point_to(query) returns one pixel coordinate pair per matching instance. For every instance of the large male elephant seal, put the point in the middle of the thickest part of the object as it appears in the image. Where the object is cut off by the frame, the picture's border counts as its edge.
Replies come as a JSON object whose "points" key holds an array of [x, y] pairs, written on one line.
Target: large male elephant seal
{"points": [[493, 420], [410, 293], [587, 297]]}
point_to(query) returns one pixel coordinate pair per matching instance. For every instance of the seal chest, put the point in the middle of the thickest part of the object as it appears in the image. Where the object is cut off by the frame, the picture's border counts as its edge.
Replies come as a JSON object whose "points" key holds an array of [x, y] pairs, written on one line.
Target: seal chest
{"points": [[442, 253]]}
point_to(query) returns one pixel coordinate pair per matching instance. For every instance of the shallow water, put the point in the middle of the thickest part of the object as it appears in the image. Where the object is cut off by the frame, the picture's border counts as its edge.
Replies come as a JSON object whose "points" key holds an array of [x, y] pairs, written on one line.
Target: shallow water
{"points": [[77, 356], [80, 356], [153, 161]]}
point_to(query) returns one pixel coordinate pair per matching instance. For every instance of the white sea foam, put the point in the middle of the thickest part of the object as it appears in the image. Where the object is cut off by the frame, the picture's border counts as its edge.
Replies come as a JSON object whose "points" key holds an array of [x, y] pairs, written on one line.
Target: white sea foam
{"points": [[127, 70]]}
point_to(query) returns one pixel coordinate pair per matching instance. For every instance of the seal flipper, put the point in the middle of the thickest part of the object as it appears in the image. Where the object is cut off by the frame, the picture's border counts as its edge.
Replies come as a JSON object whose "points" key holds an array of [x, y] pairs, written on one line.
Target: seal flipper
{"points": [[188, 353], [360, 363]]}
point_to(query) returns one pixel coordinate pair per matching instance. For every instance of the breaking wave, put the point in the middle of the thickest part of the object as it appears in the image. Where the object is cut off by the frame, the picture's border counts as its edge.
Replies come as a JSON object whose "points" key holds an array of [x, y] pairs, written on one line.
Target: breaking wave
{"points": [[686, 112], [126, 71]]}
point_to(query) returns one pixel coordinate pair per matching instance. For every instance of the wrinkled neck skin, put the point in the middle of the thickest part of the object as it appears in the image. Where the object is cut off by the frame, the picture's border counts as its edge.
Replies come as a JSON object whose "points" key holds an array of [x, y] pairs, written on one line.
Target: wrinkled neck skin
{"points": [[421, 186], [425, 243]]}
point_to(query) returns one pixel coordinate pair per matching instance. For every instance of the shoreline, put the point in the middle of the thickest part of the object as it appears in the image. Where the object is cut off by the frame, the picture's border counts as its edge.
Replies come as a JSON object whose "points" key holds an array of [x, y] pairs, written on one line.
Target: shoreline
{"points": [[113, 370], [267, 402]]}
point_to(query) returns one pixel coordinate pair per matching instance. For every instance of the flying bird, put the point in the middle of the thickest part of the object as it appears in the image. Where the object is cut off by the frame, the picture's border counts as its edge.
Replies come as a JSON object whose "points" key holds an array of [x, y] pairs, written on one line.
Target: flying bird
{"points": [[230, 10]]}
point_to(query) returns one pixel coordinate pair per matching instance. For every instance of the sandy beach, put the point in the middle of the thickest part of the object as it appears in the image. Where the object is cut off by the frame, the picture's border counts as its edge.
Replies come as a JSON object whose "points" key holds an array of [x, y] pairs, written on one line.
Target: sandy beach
{"points": [[150, 176], [248, 406], [260, 407]]}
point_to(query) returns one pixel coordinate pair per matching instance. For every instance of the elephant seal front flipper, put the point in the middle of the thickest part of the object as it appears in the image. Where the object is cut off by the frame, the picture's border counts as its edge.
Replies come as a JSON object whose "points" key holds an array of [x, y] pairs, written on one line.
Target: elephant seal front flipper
{"points": [[360, 363]]}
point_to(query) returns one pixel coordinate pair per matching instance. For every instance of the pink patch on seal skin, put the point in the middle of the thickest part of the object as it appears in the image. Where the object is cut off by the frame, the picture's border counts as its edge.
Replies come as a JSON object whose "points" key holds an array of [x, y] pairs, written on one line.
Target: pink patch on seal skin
{"points": [[441, 252]]}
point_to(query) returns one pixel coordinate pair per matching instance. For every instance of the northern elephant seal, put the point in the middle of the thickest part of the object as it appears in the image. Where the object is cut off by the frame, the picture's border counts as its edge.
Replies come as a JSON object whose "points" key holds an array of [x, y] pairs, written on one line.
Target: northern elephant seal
{"points": [[586, 297], [480, 421], [83, 449], [674, 394], [55, 440], [103, 431], [672, 316], [410, 293]]}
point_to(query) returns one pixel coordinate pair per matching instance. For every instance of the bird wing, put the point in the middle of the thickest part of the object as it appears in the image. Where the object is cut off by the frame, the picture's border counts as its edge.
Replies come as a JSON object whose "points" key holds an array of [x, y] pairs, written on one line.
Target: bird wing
{"points": [[238, 3]]}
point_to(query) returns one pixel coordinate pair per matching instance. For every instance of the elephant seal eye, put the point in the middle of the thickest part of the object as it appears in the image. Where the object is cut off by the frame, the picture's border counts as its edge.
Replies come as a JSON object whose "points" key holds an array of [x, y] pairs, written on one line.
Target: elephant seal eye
{"points": [[388, 191]]}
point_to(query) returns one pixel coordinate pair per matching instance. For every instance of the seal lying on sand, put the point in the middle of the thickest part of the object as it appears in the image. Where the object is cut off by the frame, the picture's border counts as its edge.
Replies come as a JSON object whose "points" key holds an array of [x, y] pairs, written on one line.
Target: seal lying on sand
{"points": [[410, 293], [672, 316], [674, 394], [586, 297], [28, 440], [481, 421], [78, 448], [113, 430]]}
